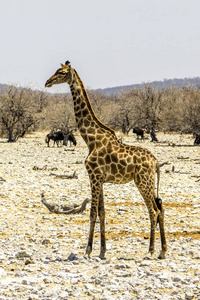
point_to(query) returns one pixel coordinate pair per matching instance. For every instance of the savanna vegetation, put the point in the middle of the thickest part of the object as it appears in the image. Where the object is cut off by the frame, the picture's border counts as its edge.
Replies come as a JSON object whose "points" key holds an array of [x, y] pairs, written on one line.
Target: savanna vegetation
{"points": [[175, 109]]}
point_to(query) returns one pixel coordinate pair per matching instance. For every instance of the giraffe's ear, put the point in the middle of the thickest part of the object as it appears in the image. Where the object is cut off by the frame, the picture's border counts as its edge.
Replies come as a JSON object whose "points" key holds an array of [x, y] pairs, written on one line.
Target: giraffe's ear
{"points": [[62, 65]]}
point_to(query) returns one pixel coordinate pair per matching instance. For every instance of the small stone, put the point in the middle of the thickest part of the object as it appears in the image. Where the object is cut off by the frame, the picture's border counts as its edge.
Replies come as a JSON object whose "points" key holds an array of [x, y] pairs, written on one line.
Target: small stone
{"points": [[195, 280], [64, 295], [145, 263], [47, 280], [121, 266], [72, 257], [46, 242], [189, 296], [29, 261], [22, 254]]}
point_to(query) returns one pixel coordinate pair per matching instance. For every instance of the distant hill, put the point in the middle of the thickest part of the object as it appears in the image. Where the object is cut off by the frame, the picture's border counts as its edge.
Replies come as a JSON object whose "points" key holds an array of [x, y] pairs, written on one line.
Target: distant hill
{"points": [[157, 84], [112, 91], [3, 86]]}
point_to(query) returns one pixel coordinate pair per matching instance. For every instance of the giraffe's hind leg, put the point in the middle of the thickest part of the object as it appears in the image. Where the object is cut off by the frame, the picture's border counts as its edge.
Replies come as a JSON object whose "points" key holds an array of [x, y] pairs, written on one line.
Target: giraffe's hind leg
{"points": [[153, 214], [146, 188], [162, 230]]}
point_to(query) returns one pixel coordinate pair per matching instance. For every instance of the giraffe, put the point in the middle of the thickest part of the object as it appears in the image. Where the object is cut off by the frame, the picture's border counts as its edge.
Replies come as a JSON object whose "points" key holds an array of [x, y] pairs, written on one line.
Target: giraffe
{"points": [[111, 161]]}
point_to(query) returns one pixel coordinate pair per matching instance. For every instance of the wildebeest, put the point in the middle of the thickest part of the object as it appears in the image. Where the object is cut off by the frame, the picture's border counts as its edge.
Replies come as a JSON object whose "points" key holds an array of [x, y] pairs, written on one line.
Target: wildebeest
{"points": [[69, 137], [59, 136], [139, 132], [55, 136], [197, 139]]}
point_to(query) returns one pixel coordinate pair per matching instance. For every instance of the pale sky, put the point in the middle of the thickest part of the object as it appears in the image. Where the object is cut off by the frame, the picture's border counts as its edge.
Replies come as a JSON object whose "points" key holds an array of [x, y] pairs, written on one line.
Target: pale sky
{"points": [[109, 42]]}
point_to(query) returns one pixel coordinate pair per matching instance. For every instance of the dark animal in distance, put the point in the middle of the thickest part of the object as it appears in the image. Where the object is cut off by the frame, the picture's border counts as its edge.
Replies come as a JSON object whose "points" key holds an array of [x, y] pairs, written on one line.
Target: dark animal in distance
{"points": [[69, 137], [197, 139], [55, 136], [153, 135], [139, 132], [59, 136]]}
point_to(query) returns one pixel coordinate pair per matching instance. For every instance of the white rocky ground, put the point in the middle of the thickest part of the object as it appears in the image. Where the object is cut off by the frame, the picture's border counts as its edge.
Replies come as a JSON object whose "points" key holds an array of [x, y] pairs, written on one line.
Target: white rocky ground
{"points": [[35, 245]]}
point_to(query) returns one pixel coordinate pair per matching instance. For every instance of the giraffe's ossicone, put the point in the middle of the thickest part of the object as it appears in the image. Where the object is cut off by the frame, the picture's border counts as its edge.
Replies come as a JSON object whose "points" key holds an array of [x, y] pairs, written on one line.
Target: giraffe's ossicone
{"points": [[109, 160]]}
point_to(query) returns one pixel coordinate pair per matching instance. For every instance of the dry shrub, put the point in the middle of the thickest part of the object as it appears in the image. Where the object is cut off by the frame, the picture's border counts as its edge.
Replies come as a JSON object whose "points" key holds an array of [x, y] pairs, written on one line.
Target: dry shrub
{"points": [[167, 109]]}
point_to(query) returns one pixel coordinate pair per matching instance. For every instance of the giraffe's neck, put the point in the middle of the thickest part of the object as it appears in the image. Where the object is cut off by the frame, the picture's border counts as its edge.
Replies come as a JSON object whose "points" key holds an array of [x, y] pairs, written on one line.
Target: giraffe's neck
{"points": [[87, 122]]}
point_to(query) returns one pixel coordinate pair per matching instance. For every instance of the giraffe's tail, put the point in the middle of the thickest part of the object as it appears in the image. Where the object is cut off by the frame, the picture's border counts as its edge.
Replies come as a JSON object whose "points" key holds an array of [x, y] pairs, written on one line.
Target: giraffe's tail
{"points": [[157, 199], [158, 177]]}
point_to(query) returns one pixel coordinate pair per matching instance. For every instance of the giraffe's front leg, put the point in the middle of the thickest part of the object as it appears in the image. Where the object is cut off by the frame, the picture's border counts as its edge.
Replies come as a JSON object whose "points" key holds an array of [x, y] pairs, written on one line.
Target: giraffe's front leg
{"points": [[101, 211], [96, 187], [93, 217]]}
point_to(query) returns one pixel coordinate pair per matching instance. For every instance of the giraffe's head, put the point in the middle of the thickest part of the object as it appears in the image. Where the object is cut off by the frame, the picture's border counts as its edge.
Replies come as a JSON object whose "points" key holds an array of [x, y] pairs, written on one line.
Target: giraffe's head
{"points": [[63, 74]]}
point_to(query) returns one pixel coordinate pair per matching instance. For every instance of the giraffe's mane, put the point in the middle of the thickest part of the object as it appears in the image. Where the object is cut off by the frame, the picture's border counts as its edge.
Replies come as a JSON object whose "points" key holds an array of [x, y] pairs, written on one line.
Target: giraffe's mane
{"points": [[89, 105]]}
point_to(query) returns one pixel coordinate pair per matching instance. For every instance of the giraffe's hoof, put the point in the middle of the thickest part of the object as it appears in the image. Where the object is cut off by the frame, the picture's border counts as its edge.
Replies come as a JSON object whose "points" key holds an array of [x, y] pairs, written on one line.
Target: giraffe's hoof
{"points": [[102, 253], [161, 255], [102, 257], [151, 252], [88, 251]]}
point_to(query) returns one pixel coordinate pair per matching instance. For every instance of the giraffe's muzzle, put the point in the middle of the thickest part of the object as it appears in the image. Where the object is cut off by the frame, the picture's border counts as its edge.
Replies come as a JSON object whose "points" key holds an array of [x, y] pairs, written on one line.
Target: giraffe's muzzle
{"points": [[48, 83]]}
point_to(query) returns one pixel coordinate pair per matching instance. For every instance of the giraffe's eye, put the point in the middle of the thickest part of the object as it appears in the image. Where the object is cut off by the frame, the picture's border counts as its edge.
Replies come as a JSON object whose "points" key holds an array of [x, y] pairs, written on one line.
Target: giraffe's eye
{"points": [[63, 73]]}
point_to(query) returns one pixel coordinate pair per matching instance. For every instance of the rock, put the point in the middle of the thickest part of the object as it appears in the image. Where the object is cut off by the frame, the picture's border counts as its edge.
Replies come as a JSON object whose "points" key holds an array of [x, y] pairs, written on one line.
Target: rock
{"points": [[46, 242], [189, 296], [122, 266], [22, 254], [72, 257], [47, 280]]}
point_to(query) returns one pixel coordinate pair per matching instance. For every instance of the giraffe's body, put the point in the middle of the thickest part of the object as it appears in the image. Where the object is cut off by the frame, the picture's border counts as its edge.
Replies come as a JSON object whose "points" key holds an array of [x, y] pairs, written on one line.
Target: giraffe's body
{"points": [[109, 160]]}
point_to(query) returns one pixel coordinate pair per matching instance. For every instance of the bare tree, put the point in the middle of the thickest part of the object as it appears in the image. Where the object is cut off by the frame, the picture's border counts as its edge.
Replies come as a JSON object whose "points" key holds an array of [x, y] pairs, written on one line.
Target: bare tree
{"points": [[190, 110], [181, 109], [123, 116], [148, 106], [139, 107], [58, 113], [18, 111]]}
